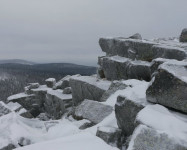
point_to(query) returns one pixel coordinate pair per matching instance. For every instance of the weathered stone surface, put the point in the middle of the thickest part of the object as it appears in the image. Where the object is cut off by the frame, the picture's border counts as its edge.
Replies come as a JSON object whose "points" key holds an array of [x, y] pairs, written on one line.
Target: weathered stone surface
{"points": [[183, 36], [145, 138], [55, 103], [24, 141], [169, 87], [110, 135], [43, 117], [92, 110], [116, 68], [139, 49], [4, 109], [50, 82], [126, 111], [136, 36], [115, 86], [87, 87], [67, 90]]}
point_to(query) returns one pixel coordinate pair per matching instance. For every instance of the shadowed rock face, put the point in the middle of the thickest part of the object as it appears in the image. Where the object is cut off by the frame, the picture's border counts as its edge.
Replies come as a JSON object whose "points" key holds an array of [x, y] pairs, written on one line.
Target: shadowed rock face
{"points": [[93, 111], [115, 69], [85, 90], [126, 112], [169, 88], [140, 50], [183, 36], [145, 138], [110, 135], [8, 147]]}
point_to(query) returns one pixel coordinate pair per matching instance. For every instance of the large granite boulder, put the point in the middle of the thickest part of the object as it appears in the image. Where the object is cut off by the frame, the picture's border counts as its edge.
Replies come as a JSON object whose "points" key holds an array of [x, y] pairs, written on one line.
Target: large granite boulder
{"points": [[50, 82], [87, 87], [4, 109], [169, 86], [140, 49], [92, 111], [183, 36], [116, 68], [160, 129], [126, 111], [56, 103], [110, 135], [145, 138]]}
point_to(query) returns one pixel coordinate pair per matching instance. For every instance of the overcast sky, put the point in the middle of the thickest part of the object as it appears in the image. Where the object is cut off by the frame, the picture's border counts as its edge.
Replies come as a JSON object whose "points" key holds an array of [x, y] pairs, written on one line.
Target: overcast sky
{"points": [[68, 30]]}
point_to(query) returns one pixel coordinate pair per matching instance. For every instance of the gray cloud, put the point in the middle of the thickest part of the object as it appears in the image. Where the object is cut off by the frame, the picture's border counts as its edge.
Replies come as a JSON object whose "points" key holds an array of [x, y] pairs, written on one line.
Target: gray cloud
{"points": [[68, 30]]}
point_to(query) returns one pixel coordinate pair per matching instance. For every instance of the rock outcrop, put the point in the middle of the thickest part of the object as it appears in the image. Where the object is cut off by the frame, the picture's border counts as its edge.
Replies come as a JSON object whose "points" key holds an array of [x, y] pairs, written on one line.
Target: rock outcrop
{"points": [[140, 49], [183, 36], [169, 87], [85, 87], [92, 110]]}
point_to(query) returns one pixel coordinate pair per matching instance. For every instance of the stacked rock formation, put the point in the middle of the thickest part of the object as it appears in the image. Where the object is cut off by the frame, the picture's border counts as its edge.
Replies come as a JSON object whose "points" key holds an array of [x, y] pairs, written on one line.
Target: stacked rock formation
{"points": [[137, 101]]}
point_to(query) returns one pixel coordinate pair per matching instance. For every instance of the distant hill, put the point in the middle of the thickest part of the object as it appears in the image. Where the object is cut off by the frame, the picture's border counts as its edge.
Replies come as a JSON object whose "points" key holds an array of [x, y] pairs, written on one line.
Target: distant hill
{"points": [[16, 61], [15, 76]]}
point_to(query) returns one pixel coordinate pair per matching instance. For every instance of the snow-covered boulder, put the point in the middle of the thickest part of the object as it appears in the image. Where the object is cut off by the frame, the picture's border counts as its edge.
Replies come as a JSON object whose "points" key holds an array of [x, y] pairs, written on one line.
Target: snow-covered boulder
{"points": [[110, 135], [87, 87], [56, 103], [126, 111], [92, 110], [117, 68], [140, 49], [67, 90], [183, 36], [31, 86], [115, 86], [136, 36], [169, 86], [145, 138], [50, 82], [162, 129], [4, 109]]}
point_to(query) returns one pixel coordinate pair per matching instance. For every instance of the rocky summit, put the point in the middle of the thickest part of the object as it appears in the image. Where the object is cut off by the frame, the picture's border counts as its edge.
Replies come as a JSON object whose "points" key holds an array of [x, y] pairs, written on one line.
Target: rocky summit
{"points": [[136, 101]]}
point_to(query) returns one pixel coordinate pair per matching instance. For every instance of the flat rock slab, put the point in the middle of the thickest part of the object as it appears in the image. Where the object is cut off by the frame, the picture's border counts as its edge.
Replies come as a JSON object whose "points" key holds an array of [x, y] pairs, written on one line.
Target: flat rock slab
{"points": [[92, 111], [145, 138], [126, 111], [117, 68], [87, 87], [169, 87], [140, 49]]}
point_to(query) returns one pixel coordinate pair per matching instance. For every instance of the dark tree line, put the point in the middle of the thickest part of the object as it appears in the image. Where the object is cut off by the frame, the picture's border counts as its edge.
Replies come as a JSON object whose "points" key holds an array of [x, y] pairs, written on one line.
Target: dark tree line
{"points": [[18, 76]]}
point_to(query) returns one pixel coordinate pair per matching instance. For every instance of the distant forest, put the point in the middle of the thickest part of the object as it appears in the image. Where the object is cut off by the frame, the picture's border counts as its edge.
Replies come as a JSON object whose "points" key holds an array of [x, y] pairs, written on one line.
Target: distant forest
{"points": [[14, 77]]}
